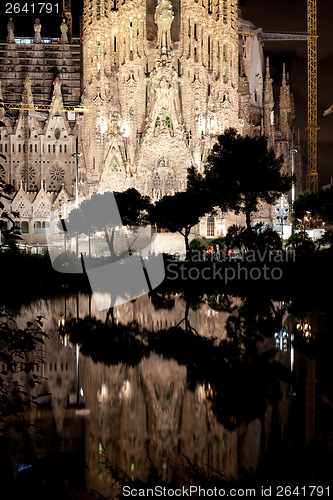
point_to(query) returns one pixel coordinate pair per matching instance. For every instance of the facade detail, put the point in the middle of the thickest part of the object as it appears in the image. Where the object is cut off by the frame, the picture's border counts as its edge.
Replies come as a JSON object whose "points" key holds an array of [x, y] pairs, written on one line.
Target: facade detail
{"points": [[161, 80]]}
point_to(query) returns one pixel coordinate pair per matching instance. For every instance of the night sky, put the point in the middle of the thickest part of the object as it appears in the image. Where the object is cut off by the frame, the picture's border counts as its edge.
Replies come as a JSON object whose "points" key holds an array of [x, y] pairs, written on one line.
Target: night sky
{"points": [[291, 15], [282, 15]]}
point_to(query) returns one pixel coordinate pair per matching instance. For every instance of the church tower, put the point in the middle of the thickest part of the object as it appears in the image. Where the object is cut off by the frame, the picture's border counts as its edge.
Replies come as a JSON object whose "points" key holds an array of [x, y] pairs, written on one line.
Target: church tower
{"points": [[160, 78]]}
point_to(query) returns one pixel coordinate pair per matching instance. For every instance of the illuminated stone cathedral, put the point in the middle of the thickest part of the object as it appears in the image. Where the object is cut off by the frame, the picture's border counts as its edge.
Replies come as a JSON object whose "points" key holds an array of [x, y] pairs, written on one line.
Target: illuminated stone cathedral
{"points": [[161, 80]]}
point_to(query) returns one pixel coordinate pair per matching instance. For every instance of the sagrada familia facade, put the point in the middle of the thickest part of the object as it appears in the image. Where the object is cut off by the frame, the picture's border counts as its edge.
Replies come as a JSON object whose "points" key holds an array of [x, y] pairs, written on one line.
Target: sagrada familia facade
{"points": [[161, 79]]}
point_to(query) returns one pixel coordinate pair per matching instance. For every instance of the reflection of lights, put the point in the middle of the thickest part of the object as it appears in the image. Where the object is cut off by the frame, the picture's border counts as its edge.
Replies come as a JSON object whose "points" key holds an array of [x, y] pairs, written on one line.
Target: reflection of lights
{"points": [[102, 394], [281, 339], [23, 467], [81, 392], [305, 328], [132, 470], [201, 393], [292, 353], [127, 388], [63, 336], [209, 391], [82, 412]]}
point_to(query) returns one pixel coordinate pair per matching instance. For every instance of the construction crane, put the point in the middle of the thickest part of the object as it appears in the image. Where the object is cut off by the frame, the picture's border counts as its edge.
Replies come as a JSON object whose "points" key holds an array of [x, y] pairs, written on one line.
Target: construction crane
{"points": [[328, 111], [312, 174], [25, 106], [312, 57], [67, 14]]}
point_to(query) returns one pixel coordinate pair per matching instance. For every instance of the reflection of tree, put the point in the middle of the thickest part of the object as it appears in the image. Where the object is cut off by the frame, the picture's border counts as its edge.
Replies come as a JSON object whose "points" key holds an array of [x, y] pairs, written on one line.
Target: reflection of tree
{"points": [[240, 376], [220, 302], [161, 300]]}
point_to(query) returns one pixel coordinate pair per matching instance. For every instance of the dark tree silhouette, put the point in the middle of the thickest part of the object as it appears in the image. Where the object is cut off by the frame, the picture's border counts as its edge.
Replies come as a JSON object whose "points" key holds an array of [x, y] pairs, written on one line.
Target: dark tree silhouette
{"points": [[240, 172], [178, 213], [106, 211]]}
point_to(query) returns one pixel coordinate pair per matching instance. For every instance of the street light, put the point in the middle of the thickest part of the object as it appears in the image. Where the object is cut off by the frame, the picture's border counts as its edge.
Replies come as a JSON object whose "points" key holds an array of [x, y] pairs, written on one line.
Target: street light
{"points": [[77, 155]]}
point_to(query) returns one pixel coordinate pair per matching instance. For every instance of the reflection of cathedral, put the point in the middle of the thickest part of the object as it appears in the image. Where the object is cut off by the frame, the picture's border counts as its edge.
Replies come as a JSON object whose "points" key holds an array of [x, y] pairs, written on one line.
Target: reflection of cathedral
{"points": [[161, 81], [145, 410]]}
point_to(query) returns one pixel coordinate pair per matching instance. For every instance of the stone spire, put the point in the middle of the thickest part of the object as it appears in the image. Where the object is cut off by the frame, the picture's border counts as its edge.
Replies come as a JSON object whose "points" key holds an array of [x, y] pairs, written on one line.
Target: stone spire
{"points": [[164, 16], [57, 100], [269, 119], [10, 29], [286, 107], [27, 93], [37, 28]]}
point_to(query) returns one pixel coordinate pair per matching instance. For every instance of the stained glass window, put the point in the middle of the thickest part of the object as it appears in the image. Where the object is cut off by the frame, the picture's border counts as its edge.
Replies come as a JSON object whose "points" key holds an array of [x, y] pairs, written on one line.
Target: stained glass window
{"points": [[157, 181], [169, 183]]}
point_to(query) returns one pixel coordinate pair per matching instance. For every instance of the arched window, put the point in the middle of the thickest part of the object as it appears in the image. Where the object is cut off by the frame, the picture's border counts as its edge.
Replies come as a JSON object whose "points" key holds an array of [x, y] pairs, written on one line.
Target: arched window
{"points": [[157, 184], [163, 181], [169, 184], [24, 227], [210, 226], [37, 227], [45, 227]]}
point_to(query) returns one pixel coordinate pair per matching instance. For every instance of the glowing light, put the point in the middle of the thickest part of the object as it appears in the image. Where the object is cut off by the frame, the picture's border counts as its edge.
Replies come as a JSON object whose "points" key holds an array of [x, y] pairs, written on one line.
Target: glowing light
{"points": [[102, 125], [126, 389], [102, 394], [126, 130]]}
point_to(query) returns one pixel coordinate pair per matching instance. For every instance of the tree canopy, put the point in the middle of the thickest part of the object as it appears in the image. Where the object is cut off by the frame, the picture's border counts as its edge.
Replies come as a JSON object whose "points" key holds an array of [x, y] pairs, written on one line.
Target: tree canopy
{"points": [[106, 211], [178, 213], [240, 172], [318, 205]]}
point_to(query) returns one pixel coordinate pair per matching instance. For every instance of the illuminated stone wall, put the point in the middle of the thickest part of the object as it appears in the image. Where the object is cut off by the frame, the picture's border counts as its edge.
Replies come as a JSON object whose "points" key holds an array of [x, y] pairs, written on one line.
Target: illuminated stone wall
{"points": [[161, 81], [161, 87]]}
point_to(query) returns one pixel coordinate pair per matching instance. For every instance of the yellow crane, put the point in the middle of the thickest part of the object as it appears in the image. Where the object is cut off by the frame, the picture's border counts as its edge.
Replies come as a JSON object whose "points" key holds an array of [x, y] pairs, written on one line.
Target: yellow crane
{"points": [[42, 107], [67, 14], [312, 173], [312, 57], [328, 111]]}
